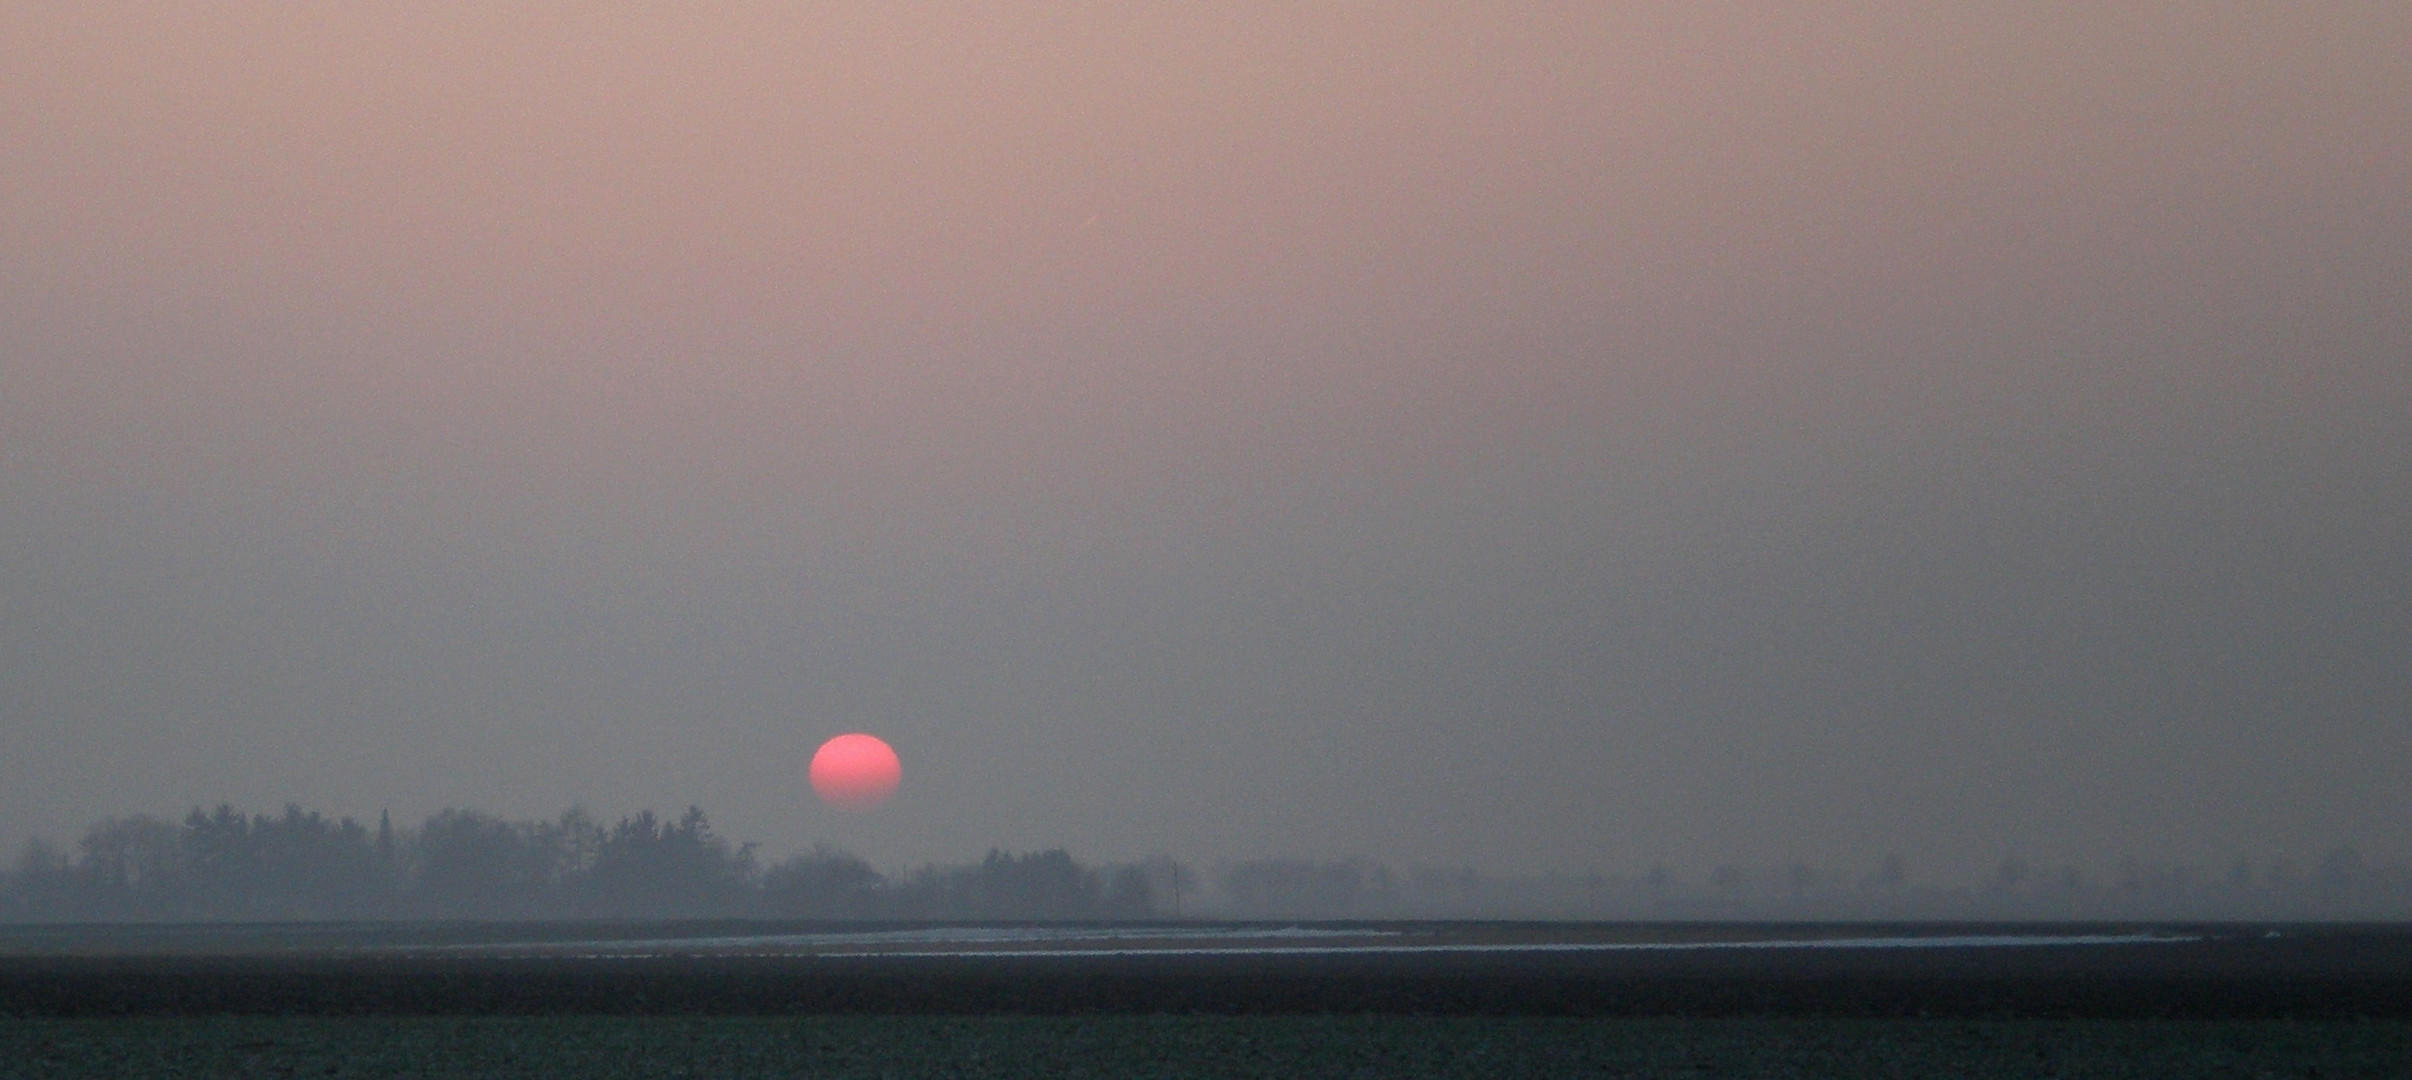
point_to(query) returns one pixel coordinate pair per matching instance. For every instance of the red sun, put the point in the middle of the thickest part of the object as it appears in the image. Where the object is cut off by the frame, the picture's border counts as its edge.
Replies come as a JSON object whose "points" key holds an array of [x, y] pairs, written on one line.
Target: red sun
{"points": [[855, 772]]}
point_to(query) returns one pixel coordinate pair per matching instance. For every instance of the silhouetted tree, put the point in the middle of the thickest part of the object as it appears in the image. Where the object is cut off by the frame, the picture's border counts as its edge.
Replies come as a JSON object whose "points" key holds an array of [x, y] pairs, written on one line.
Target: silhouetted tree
{"points": [[311, 866], [133, 868], [469, 864], [1037, 885], [39, 882], [824, 884], [648, 867], [387, 850]]}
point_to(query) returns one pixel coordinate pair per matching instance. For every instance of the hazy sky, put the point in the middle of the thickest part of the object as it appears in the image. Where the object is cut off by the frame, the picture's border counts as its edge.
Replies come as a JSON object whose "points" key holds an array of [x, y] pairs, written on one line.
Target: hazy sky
{"points": [[1524, 435]]}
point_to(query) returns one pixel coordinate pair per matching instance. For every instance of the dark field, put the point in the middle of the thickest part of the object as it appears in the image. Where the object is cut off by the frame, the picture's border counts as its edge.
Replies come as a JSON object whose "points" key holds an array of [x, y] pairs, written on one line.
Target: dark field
{"points": [[1199, 1046], [2207, 973], [1420, 1000]]}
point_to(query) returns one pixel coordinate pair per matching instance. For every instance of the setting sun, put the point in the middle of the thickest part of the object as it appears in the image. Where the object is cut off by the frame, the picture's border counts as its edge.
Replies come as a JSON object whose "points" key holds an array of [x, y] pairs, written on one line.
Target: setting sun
{"points": [[855, 772]]}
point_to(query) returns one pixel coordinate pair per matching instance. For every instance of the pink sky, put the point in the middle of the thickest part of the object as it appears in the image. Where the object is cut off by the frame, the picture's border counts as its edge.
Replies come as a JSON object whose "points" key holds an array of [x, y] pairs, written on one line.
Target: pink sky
{"points": [[631, 309]]}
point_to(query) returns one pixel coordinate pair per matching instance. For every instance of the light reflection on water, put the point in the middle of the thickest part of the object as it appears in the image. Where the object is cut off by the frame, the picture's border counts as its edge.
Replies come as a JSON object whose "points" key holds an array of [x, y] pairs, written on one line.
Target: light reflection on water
{"points": [[1943, 942], [1069, 942]]}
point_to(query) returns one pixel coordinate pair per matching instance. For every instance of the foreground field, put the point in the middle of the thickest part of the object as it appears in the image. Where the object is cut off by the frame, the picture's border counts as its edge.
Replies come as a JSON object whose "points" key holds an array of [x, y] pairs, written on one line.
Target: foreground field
{"points": [[2196, 973], [1373, 1000], [1160, 1046]]}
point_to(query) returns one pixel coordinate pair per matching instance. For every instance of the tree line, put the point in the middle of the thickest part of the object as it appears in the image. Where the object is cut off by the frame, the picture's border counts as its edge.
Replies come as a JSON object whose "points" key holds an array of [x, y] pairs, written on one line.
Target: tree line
{"points": [[462, 864]]}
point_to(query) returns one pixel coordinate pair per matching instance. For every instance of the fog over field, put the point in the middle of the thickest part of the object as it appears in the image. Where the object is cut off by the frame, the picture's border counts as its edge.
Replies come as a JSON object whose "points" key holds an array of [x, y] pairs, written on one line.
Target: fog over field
{"points": [[1534, 438]]}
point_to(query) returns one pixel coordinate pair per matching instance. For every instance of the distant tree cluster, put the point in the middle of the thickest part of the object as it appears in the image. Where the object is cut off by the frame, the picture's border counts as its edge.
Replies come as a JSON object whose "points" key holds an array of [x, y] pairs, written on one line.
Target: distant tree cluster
{"points": [[1294, 887], [300, 865], [461, 864], [2338, 885]]}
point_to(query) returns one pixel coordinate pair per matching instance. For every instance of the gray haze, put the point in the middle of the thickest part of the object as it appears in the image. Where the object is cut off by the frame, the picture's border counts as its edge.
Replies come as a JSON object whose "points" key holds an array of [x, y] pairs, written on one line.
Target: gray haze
{"points": [[1527, 437]]}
